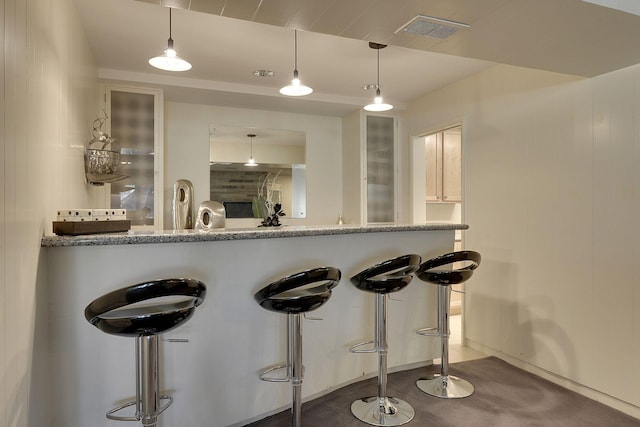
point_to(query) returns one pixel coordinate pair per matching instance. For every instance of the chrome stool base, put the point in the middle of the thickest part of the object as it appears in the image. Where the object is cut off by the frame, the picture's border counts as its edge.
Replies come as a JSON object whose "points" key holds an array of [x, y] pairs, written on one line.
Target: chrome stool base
{"points": [[149, 420], [445, 386], [387, 411]]}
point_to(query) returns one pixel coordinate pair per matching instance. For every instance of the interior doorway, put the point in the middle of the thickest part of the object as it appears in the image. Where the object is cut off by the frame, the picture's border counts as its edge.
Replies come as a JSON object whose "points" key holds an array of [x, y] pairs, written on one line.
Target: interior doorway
{"points": [[437, 195]]}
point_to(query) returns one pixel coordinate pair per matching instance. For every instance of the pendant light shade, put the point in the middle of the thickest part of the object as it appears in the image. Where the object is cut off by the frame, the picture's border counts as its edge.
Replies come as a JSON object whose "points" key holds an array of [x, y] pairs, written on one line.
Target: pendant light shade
{"points": [[170, 61], [251, 162], [378, 104], [296, 88]]}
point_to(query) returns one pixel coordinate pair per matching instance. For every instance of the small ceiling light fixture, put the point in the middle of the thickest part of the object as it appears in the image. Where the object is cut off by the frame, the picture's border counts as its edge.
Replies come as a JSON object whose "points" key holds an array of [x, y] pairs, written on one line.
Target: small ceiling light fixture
{"points": [[251, 162], [263, 73], [378, 104], [296, 88], [170, 61]]}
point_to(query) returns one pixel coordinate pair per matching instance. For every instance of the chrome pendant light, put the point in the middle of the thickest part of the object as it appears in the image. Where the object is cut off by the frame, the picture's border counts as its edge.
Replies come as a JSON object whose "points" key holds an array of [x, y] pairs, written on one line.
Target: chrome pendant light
{"points": [[378, 104], [296, 88], [251, 162], [170, 61]]}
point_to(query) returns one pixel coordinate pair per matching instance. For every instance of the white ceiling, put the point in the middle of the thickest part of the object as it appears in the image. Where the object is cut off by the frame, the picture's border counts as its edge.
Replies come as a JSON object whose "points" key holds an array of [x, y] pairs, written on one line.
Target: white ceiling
{"points": [[226, 40]]}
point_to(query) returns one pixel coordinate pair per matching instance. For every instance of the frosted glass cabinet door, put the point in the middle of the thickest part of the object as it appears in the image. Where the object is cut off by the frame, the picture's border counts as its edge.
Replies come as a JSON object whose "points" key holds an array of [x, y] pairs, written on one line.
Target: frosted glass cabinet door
{"points": [[135, 123], [380, 169]]}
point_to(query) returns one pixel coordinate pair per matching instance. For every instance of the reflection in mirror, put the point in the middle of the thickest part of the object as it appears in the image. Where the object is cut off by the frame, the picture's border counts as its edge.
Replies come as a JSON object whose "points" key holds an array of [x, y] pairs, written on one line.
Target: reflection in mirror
{"points": [[280, 174]]}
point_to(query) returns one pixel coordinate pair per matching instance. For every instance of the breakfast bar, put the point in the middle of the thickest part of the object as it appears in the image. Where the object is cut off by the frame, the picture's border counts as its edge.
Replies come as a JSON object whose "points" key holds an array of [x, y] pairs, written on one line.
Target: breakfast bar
{"points": [[213, 376]]}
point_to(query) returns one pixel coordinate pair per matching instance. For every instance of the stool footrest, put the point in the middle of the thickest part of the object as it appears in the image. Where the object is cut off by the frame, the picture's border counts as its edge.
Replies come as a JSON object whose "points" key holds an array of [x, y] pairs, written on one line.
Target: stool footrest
{"points": [[356, 348], [429, 332], [137, 417], [264, 375]]}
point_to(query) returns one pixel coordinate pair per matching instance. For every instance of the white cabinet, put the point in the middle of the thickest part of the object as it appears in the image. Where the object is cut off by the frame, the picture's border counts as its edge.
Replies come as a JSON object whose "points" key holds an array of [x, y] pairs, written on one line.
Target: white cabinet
{"points": [[380, 167], [369, 168], [135, 120], [444, 164]]}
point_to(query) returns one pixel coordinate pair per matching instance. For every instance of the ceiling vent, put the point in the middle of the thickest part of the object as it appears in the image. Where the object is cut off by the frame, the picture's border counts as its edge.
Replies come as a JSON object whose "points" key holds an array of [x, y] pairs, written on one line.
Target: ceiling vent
{"points": [[429, 26]]}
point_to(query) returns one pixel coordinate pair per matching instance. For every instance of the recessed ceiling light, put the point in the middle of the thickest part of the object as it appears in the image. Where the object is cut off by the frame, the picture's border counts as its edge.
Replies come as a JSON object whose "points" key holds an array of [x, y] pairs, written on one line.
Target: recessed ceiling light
{"points": [[263, 73]]}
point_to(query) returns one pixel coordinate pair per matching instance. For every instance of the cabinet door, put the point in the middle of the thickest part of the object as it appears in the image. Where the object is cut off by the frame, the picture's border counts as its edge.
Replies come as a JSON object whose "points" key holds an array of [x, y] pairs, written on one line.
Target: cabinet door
{"points": [[380, 136], [135, 120], [451, 165], [433, 153]]}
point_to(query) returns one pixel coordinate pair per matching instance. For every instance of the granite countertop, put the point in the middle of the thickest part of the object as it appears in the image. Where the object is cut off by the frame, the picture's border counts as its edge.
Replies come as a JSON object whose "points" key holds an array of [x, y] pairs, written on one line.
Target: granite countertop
{"points": [[180, 236]]}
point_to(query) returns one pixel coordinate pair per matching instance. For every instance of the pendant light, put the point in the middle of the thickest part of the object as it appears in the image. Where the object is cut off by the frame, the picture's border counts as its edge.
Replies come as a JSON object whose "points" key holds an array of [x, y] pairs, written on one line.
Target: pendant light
{"points": [[170, 61], [251, 162], [296, 88], [378, 104]]}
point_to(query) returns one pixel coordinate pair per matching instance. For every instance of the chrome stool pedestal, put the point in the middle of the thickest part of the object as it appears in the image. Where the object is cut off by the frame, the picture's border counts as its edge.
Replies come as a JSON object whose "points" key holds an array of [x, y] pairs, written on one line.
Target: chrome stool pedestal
{"points": [[148, 398], [132, 312], [444, 385], [390, 276], [293, 366], [296, 295]]}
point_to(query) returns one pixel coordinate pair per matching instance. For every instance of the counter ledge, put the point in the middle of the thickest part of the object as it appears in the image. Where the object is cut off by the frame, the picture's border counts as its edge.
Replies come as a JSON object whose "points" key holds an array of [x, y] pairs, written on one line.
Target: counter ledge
{"points": [[184, 236]]}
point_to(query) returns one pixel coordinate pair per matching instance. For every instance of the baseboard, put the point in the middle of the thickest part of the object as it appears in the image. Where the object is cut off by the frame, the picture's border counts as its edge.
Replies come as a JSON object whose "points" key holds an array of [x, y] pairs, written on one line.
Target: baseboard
{"points": [[591, 393]]}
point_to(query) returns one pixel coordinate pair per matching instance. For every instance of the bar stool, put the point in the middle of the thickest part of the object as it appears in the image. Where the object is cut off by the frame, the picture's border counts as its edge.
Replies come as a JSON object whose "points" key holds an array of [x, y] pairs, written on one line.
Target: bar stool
{"points": [[143, 311], [389, 276], [294, 295], [444, 385]]}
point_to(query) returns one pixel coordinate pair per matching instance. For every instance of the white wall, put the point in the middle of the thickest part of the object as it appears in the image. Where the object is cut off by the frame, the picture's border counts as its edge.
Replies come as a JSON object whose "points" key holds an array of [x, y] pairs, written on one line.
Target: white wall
{"points": [[49, 89], [551, 176], [238, 152], [353, 197], [187, 154]]}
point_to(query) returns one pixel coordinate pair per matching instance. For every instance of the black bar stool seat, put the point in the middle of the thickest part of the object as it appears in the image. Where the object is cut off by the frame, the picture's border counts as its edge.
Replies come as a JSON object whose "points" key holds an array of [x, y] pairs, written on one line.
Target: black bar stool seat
{"points": [[132, 311], [444, 385], [143, 311], [300, 292], [389, 276], [294, 295]]}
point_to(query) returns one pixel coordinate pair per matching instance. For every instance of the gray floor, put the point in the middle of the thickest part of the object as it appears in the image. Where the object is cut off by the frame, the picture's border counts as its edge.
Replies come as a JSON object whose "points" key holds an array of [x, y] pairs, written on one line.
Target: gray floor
{"points": [[504, 396]]}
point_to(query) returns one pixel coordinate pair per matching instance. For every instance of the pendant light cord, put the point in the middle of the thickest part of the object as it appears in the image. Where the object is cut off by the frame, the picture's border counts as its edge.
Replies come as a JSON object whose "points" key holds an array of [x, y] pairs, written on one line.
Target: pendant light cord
{"points": [[295, 43], [170, 41], [251, 136], [378, 88]]}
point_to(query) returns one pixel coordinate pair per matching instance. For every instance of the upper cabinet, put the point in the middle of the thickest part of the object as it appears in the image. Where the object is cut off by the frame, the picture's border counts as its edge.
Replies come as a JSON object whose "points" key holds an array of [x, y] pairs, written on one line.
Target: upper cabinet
{"points": [[369, 168], [380, 167], [135, 121], [444, 165]]}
